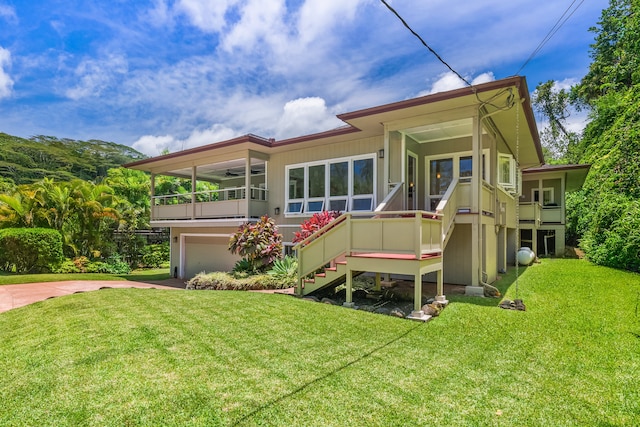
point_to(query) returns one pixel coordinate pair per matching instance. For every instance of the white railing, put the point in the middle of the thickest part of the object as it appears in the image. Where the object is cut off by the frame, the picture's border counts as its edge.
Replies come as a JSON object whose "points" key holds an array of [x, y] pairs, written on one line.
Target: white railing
{"points": [[393, 200], [221, 203]]}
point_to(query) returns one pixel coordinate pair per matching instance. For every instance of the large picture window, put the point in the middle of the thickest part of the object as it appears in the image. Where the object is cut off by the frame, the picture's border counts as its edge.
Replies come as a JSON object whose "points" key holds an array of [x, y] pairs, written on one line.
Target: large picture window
{"points": [[345, 184]]}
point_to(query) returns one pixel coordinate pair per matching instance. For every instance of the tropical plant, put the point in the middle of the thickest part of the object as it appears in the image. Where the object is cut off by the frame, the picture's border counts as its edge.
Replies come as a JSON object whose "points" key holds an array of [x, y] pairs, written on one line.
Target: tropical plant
{"points": [[259, 243], [285, 269], [316, 222]]}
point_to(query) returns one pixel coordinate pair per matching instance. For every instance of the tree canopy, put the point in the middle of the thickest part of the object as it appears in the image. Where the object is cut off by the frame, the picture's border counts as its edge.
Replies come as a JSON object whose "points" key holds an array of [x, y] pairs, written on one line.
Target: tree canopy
{"points": [[26, 161], [604, 216]]}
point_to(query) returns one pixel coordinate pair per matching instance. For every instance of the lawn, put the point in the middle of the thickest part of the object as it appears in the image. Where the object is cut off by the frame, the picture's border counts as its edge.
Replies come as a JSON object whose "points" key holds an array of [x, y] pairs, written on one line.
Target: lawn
{"points": [[140, 275], [152, 357]]}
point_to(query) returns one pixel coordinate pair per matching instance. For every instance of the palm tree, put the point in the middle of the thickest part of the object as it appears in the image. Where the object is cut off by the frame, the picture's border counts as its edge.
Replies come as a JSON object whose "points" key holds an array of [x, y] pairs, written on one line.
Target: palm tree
{"points": [[21, 209]]}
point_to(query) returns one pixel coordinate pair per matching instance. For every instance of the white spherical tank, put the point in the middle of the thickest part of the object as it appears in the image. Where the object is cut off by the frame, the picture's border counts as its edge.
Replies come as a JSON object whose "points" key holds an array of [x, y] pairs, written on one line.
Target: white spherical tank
{"points": [[525, 256]]}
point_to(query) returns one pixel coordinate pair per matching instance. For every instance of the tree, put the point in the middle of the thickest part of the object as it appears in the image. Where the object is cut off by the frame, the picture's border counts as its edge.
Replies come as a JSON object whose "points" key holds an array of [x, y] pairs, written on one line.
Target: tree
{"points": [[23, 208], [604, 214], [559, 143], [616, 63]]}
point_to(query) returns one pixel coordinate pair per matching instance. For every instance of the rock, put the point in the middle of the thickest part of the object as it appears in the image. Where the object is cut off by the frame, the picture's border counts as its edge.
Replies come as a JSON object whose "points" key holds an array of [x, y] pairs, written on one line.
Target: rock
{"points": [[382, 310], [432, 309], [507, 305], [491, 291], [398, 313], [311, 298], [368, 308], [328, 301]]}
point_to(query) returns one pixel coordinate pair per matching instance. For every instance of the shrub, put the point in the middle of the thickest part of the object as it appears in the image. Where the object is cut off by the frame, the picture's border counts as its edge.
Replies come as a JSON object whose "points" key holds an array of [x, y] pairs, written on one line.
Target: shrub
{"points": [[225, 281], [242, 266], [30, 250], [285, 269], [259, 243], [112, 265], [155, 255], [313, 224]]}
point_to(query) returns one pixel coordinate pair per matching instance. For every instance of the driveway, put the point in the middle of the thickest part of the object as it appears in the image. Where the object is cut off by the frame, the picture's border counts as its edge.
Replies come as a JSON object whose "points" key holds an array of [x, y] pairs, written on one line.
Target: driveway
{"points": [[14, 296]]}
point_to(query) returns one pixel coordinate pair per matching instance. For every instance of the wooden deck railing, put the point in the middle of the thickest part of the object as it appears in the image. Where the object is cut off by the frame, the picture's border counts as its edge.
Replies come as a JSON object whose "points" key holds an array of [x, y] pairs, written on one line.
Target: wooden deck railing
{"points": [[415, 233]]}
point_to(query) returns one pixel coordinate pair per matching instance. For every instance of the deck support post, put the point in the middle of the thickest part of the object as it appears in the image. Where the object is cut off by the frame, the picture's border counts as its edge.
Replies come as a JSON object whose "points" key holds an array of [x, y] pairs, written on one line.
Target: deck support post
{"points": [[349, 297], [377, 286], [440, 296], [417, 313]]}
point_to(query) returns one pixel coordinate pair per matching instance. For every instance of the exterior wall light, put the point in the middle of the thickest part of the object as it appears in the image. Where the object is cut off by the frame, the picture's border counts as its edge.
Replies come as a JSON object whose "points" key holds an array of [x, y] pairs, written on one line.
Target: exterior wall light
{"points": [[276, 211], [381, 153]]}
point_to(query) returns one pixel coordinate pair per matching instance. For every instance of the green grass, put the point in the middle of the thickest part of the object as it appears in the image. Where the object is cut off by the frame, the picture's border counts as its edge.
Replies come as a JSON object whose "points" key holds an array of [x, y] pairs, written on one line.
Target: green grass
{"points": [[150, 357], [139, 275]]}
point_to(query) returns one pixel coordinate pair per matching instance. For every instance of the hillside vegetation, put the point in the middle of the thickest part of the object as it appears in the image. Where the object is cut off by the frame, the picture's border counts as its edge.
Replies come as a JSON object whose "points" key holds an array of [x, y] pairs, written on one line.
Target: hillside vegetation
{"points": [[604, 216], [29, 160]]}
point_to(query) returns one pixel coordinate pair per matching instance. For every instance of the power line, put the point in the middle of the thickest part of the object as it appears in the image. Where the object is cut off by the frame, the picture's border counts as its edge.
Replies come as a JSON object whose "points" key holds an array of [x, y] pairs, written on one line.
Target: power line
{"points": [[552, 32], [425, 43]]}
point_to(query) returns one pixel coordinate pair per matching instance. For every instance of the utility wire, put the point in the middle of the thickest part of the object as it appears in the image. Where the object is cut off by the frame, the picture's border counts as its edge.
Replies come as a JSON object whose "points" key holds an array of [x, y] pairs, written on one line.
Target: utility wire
{"points": [[425, 43], [552, 32]]}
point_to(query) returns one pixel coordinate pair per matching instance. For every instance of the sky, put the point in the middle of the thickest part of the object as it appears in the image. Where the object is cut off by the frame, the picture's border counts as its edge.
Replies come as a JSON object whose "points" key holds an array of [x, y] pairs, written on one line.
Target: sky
{"points": [[174, 74]]}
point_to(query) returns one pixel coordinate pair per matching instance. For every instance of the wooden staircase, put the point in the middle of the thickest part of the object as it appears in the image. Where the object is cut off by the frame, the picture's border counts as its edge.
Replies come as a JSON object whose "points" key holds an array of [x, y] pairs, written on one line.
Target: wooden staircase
{"points": [[330, 277], [404, 242]]}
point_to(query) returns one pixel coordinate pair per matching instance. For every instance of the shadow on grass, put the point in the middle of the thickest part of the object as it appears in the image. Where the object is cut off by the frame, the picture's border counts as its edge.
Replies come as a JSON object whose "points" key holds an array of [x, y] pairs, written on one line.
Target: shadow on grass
{"points": [[325, 376]]}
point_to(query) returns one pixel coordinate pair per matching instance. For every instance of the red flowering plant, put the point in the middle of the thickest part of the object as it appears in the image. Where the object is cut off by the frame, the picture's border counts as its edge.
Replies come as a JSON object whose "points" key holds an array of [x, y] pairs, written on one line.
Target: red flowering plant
{"points": [[259, 244], [313, 224]]}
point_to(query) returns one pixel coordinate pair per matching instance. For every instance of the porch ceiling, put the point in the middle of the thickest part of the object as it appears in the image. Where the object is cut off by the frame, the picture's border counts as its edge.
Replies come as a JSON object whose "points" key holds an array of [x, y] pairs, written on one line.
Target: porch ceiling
{"points": [[221, 171]]}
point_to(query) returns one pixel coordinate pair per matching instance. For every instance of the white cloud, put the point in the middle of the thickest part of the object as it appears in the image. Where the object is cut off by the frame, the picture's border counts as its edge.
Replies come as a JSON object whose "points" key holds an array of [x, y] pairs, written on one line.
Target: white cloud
{"points": [[260, 20], [317, 17], [303, 116], [207, 15], [155, 145], [450, 81], [96, 75], [6, 83], [8, 13]]}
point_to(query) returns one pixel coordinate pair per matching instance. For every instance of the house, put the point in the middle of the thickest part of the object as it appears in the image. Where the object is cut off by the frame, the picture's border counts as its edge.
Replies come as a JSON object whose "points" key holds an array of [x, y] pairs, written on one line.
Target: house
{"points": [[429, 187]]}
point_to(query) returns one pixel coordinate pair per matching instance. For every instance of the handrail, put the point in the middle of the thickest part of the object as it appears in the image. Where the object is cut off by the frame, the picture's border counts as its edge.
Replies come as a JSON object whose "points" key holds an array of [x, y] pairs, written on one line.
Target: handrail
{"points": [[321, 231], [397, 187], [448, 207], [343, 242]]}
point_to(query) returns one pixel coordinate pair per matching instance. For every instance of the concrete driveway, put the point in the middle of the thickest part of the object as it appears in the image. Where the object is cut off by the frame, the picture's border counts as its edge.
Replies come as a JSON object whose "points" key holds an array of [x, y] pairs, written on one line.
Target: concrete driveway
{"points": [[14, 296]]}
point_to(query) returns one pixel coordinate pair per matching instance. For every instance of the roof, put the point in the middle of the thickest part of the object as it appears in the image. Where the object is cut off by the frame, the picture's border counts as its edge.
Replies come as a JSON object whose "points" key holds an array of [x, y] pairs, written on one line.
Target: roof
{"points": [[575, 174], [370, 121]]}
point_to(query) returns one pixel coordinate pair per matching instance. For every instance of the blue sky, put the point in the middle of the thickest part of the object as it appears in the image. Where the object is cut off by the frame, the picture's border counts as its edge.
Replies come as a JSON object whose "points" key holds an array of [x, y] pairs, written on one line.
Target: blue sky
{"points": [[175, 74]]}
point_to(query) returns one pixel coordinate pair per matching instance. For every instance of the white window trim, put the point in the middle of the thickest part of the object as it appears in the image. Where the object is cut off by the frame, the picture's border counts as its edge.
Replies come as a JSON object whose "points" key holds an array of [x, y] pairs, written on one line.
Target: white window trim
{"points": [[348, 198], [551, 191], [456, 169], [512, 172]]}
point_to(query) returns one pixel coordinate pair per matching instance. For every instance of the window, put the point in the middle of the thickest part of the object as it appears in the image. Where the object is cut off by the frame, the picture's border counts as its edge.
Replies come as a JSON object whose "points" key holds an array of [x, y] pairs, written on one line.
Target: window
{"points": [[337, 184], [547, 196], [442, 170], [506, 171]]}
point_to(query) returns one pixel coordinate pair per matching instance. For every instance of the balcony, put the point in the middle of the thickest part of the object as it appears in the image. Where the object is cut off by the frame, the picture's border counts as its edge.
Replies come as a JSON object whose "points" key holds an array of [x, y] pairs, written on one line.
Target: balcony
{"points": [[215, 204]]}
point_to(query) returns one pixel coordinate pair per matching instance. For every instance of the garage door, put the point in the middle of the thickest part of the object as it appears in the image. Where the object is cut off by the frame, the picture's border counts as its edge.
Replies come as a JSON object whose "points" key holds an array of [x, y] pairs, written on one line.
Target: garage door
{"points": [[207, 253]]}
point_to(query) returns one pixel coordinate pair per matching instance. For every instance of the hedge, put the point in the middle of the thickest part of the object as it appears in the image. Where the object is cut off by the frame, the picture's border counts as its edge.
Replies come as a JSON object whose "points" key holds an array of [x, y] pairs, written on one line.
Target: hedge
{"points": [[30, 250]]}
